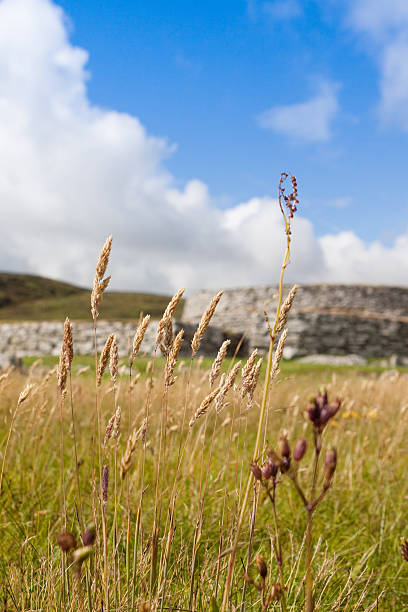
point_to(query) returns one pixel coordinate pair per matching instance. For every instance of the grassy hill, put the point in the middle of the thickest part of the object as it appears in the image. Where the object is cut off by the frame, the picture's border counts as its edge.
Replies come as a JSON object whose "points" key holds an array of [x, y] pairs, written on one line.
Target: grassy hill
{"points": [[24, 297]]}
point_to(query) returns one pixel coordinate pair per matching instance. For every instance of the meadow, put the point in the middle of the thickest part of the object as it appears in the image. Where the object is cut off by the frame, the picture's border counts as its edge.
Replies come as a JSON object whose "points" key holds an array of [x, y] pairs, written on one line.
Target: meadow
{"points": [[182, 483]]}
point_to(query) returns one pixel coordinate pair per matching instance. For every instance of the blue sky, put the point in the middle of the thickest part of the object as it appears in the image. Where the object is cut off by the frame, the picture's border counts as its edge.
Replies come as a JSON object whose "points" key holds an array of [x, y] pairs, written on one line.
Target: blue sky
{"points": [[168, 124], [200, 74]]}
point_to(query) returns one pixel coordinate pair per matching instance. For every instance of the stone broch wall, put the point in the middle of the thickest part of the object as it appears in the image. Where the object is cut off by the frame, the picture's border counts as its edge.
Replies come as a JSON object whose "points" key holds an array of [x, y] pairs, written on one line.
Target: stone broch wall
{"points": [[328, 319], [371, 321]]}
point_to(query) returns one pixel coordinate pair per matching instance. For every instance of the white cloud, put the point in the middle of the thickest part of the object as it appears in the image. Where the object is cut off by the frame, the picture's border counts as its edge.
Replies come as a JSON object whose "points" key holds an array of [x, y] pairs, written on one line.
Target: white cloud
{"points": [[308, 121], [72, 173], [385, 25], [349, 259]]}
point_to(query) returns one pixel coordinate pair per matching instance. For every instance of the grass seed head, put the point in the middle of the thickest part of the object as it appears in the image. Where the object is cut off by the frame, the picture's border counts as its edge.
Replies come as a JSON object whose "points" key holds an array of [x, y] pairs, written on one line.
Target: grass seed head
{"points": [[217, 363], [204, 323]]}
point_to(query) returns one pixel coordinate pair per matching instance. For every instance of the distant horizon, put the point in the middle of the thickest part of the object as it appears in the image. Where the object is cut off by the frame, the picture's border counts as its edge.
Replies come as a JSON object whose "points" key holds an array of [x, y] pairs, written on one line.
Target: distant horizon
{"points": [[286, 285]]}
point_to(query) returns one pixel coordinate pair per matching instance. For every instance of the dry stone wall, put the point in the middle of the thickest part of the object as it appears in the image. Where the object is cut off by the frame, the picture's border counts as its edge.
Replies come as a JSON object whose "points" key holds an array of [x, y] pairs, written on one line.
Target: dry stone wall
{"points": [[325, 319], [44, 338], [371, 321]]}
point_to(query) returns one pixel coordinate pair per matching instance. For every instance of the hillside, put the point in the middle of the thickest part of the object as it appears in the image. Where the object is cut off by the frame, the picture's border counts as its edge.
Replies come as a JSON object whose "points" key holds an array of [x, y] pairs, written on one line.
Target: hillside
{"points": [[25, 297]]}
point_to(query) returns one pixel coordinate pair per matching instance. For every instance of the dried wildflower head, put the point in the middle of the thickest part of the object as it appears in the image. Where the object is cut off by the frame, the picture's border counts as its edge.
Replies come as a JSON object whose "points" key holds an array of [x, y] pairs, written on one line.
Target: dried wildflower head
{"points": [[290, 201], [283, 445], [261, 566], [89, 535], [256, 471], [299, 449], [276, 592], [66, 541], [320, 411], [270, 470], [404, 548], [330, 462]]}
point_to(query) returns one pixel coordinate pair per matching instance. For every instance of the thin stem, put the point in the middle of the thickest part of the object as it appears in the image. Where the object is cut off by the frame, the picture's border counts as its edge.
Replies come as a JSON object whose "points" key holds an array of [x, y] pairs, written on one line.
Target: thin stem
{"points": [[231, 563]]}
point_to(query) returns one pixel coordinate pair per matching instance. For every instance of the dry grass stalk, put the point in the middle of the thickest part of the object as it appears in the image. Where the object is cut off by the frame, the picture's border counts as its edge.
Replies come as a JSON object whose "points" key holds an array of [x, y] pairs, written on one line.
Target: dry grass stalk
{"points": [[66, 356], [229, 382], [202, 409], [68, 343], [168, 315], [247, 371], [217, 363], [286, 306], [108, 430], [167, 341], [253, 381], [25, 393], [113, 359], [100, 283], [135, 380], [116, 423], [62, 372], [278, 354], [138, 338], [169, 379], [104, 358], [204, 323], [136, 435]]}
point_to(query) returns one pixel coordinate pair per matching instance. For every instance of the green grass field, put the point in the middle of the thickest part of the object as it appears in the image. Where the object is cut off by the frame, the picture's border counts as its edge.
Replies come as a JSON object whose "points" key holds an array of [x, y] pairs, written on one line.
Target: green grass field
{"points": [[33, 298], [168, 564]]}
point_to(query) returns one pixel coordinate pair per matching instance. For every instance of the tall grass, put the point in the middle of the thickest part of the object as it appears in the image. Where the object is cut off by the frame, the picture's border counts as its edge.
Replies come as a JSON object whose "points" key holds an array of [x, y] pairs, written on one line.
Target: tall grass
{"points": [[157, 487]]}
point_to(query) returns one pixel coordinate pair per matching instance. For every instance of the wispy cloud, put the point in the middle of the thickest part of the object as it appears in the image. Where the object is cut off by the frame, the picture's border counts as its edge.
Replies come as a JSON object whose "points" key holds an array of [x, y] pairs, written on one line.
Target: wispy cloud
{"points": [[309, 121], [384, 23]]}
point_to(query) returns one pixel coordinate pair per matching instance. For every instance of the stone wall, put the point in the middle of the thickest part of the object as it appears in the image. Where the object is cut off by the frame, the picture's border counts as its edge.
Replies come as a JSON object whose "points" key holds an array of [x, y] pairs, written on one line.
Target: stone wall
{"points": [[327, 319], [44, 338], [330, 319]]}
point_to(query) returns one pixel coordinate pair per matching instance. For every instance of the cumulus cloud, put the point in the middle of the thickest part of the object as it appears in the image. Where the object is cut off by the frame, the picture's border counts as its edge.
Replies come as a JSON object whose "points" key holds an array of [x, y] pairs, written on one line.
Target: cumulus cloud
{"points": [[385, 25], [348, 259], [72, 173], [309, 121]]}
